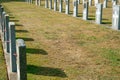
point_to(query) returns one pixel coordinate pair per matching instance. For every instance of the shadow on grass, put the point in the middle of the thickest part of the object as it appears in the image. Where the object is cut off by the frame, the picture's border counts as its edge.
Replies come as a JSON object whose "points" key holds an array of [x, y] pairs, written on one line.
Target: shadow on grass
{"points": [[14, 20], [106, 22], [25, 39], [21, 31], [46, 71], [36, 51], [3, 1], [18, 25], [91, 18]]}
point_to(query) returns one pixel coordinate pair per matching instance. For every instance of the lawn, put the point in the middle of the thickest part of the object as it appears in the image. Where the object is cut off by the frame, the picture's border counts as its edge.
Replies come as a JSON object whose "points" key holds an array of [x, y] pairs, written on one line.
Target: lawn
{"points": [[3, 74], [62, 47]]}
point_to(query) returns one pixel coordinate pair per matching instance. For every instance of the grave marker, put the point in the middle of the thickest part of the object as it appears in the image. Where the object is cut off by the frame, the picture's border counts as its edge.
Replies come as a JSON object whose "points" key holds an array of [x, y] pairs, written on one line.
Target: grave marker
{"points": [[46, 3], [75, 8], [21, 60], [13, 66], [67, 7], [50, 4], [60, 5], [105, 3], [116, 17], [99, 13], [85, 11], [55, 5]]}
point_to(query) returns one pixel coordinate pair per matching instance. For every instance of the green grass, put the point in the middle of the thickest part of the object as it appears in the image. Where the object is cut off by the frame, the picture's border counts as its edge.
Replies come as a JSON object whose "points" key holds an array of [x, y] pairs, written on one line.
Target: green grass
{"points": [[61, 47], [3, 73]]}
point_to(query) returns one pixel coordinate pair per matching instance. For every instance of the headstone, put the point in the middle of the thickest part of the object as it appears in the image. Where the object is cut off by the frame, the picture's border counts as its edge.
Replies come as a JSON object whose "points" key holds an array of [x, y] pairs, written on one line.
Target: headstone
{"points": [[31, 1], [67, 7], [55, 5], [114, 2], [36, 2], [39, 3], [90, 2], [13, 66], [50, 4], [1, 12], [3, 29], [7, 33], [96, 2], [85, 11], [99, 13], [60, 5], [21, 60], [116, 17], [3, 20], [105, 3], [46, 3], [78, 1], [75, 8], [83, 1]]}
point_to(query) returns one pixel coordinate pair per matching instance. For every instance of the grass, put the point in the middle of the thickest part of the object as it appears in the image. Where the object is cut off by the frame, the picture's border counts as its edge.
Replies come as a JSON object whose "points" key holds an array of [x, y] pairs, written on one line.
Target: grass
{"points": [[61, 47], [3, 73]]}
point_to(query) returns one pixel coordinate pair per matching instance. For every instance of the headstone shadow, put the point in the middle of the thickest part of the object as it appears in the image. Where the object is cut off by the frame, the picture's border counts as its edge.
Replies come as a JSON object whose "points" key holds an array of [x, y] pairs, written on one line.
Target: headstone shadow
{"points": [[18, 25], [36, 51], [14, 20], [106, 22], [25, 39], [21, 31], [46, 71]]}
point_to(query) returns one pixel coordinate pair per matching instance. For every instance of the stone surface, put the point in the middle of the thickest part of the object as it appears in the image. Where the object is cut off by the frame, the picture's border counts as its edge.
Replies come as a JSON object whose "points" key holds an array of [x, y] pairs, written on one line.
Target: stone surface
{"points": [[67, 7], [7, 33], [55, 5], [75, 8], [90, 2], [50, 4], [116, 17], [46, 3], [96, 2], [21, 60], [13, 66], [85, 11], [105, 3], [99, 13], [60, 5]]}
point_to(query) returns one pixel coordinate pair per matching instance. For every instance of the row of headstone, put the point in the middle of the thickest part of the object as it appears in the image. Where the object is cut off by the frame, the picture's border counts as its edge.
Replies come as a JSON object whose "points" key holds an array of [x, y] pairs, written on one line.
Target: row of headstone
{"points": [[99, 9], [29, 1], [38, 2], [15, 49]]}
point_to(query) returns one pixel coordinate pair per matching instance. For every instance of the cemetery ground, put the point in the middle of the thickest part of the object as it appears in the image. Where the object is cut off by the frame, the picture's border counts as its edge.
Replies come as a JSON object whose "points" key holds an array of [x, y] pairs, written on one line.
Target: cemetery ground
{"points": [[62, 47], [3, 74]]}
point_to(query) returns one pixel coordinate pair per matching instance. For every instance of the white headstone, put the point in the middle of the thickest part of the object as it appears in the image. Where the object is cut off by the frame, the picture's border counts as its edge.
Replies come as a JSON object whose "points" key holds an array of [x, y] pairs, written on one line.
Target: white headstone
{"points": [[75, 8], [99, 13], [116, 17], [85, 11]]}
